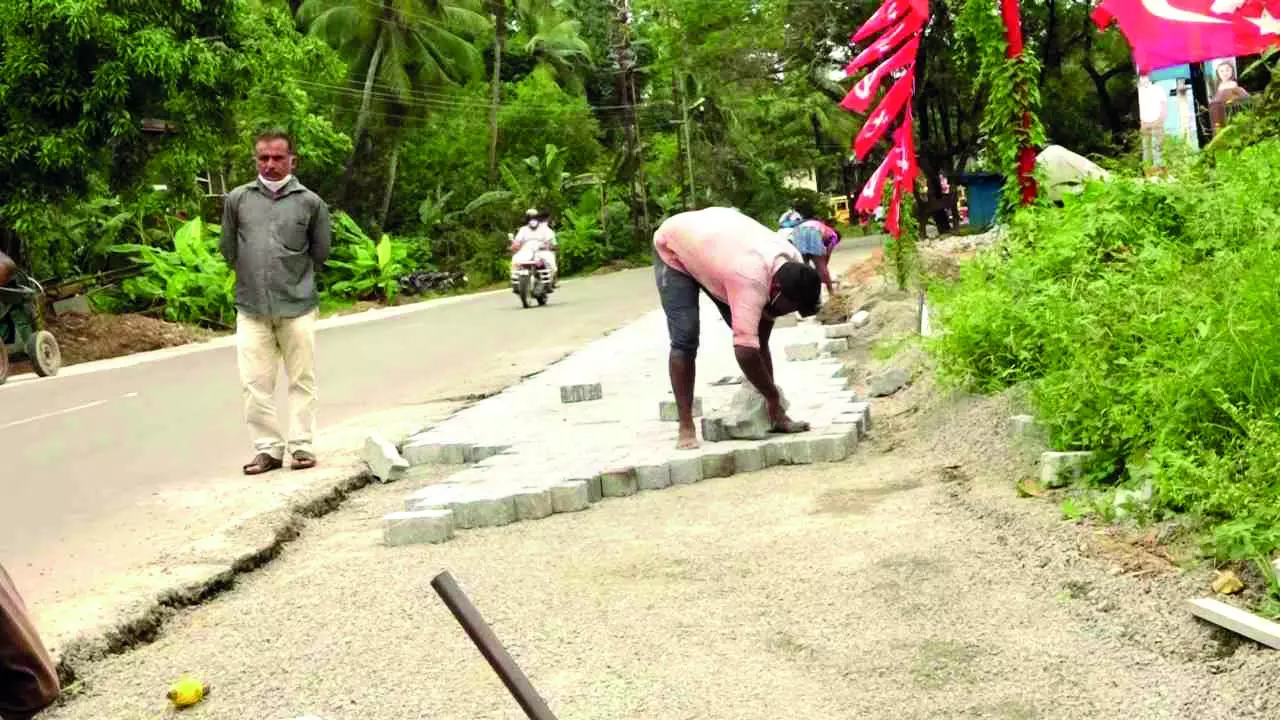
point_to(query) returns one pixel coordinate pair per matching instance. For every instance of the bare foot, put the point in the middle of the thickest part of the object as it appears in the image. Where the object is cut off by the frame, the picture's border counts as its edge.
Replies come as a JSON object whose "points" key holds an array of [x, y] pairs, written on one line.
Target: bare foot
{"points": [[688, 440], [790, 427]]}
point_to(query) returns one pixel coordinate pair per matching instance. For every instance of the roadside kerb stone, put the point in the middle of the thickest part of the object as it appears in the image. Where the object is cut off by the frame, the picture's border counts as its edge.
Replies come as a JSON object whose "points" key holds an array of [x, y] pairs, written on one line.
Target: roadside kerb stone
{"points": [[571, 496], [667, 410], [833, 347], [717, 464], [581, 393], [653, 477], [479, 453], [417, 527], [800, 352], [685, 470], [1059, 469], [829, 448], [749, 459], [384, 460], [533, 504], [429, 452], [797, 451], [843, 330], [485, 508], [619, 482]]}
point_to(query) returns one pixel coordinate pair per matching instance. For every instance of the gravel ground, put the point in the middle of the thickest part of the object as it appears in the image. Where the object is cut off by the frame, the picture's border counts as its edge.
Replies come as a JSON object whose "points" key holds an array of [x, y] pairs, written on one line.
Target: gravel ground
{"points": [[908, 582]]}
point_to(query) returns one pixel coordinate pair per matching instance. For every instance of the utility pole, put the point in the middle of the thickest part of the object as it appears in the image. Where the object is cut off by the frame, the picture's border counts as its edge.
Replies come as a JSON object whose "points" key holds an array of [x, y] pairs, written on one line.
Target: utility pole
{"points": [[688, 145]]}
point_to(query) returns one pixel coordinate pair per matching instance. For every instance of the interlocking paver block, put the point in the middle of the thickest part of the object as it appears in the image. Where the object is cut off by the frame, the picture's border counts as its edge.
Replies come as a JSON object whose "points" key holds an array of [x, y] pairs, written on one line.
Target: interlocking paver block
{"points": [[717, 464], [414, 528], [485, 508], [802, 351], [618, 482], [686, 470], [581, 393], [667, 410], [653, 477], [533, 504], [570, 496], [384, 460], [749, 459]]}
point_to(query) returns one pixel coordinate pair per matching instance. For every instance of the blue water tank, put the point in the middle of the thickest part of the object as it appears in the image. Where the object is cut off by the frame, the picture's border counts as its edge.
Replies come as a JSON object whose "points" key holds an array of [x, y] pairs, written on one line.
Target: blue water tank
{"points": [[984, 196]]}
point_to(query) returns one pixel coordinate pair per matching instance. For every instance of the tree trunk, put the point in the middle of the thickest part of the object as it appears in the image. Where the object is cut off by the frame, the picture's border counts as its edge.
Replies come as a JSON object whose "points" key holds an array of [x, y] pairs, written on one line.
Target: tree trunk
{"points": [[392, 166], [499, 44], [362, 119]]}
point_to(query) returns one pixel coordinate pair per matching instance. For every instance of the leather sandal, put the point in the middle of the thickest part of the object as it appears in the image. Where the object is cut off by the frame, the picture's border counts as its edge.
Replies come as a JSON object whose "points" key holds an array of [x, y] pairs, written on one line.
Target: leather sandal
{"points": [[263, 463], [302, 460]]}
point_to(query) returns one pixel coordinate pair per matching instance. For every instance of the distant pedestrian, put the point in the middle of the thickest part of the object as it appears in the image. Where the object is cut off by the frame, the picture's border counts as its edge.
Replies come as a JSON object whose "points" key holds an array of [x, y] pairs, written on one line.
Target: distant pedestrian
{"points": [[28, 681], [275, 235], [816, 239]]}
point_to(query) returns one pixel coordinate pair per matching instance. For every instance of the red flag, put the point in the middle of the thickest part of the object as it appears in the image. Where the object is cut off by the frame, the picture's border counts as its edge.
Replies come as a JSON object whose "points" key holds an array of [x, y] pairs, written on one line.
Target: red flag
{"points": [[879, 121], [1163, 34], [872, 192], [893, 217], [888, 13], [904, 138], [859, 97], [887, 43]]}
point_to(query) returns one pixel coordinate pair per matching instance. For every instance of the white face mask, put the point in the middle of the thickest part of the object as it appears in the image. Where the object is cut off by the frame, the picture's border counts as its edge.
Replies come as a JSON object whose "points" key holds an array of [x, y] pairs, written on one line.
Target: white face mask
{"points": [[533, 224], [275, 185]]}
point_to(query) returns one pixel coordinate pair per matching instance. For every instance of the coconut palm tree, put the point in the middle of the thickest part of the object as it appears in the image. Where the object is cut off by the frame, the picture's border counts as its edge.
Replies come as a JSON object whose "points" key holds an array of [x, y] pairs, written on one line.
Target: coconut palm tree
{"points": [[547, 35], [395, 50]]}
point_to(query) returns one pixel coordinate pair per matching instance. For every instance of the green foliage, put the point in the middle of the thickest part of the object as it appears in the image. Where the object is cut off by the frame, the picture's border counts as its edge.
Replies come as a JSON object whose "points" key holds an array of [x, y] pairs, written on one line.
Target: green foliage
{"points": [[1012, 86], [1141, 315], [581, 237], [901, 254], [361, 269], [191, 281]]}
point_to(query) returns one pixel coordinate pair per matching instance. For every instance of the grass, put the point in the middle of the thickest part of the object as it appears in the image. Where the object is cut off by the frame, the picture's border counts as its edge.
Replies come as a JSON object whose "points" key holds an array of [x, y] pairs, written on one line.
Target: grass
{"points": [[1142, 316]]}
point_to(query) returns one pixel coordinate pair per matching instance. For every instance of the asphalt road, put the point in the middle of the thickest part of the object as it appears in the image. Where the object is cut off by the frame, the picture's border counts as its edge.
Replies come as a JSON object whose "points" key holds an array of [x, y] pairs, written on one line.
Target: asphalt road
{"points": [[101, 468], [78, 448]]}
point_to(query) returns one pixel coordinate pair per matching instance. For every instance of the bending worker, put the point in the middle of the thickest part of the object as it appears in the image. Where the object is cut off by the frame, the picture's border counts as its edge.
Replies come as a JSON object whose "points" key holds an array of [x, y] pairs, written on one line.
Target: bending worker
{"points": [[752, 275]]}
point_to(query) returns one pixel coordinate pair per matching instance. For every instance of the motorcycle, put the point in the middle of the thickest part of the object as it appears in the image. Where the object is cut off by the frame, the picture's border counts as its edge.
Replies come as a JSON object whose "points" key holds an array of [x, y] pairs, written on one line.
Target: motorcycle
{"points": [[530, 277]]}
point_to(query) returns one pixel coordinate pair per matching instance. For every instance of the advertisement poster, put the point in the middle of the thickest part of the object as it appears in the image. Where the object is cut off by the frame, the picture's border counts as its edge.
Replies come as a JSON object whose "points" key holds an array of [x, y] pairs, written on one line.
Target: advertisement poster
{"points": [[1221, 77]]}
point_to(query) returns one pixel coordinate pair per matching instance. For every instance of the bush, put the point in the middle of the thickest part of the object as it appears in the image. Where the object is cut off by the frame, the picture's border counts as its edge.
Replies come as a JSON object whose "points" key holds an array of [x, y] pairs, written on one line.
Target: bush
{"points": [[1142, 316], [359, 268], [191, 281]]}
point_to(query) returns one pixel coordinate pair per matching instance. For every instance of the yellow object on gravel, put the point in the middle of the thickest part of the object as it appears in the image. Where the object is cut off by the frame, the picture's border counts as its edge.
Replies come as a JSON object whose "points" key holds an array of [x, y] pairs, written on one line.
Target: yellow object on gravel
{"points": [[187, 691]]}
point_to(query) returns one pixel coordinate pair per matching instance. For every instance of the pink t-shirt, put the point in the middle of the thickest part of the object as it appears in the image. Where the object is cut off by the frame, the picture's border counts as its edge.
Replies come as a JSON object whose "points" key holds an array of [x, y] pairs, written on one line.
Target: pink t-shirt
{"points": [[732, 256]]}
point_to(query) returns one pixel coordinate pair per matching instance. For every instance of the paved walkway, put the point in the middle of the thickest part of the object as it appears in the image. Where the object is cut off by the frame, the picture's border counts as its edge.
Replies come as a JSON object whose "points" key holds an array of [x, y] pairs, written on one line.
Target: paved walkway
{"points": [[534, 454]]}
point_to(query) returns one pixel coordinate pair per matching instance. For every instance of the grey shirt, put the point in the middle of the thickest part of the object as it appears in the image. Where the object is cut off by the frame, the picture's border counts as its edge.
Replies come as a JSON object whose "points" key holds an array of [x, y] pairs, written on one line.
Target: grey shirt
{"points": [[275, 242]]}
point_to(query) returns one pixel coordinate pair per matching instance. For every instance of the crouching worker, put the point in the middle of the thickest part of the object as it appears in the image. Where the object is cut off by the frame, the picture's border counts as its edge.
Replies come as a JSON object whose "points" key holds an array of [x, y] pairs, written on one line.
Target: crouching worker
{"points": [[752, 275], [28, 683]]}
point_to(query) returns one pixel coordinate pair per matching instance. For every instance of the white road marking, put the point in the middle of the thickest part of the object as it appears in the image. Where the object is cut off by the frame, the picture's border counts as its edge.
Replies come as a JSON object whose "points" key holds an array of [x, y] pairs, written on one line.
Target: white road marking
{"points": [[64, 411]]}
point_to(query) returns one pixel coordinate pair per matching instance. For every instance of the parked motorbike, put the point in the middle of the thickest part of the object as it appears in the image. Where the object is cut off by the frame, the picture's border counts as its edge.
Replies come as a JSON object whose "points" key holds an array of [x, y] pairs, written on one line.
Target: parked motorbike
{"points": [[423, 282], [530, 277]]}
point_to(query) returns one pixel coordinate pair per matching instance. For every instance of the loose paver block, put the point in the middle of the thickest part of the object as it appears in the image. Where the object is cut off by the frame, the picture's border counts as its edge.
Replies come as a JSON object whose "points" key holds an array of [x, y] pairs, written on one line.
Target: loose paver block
{"points": [[667, 410], [580, 393], [863, 408], [843, 330], [487, 508], [833, 347], [533, 504], [717, 464], [888, 382], [618, 483], [685, 470], [749, 459], [1058, 469], [383, 460], [829, 448], [653, 477], [802, 351], [713, 430], [1236, 620], [418, 527], [570, 496], [434, 452], [860, 319]]}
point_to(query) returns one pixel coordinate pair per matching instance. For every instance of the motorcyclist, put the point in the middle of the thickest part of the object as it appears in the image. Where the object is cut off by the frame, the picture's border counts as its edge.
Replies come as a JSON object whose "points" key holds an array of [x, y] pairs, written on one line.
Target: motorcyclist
{"points": [[537, 229]]}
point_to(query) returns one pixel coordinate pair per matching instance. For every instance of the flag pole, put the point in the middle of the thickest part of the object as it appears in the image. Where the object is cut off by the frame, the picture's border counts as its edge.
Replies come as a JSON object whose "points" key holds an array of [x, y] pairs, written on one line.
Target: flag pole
{"points": [[1012, 15]]}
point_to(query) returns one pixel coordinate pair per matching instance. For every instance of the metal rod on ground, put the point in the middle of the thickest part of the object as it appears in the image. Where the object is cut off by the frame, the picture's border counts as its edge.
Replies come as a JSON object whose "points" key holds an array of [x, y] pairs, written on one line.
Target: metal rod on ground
{"points": [[491, 647]]}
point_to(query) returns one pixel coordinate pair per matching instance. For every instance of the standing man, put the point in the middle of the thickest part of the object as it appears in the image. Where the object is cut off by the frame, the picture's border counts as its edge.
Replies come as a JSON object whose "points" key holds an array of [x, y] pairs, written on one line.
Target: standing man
{"points": [[28, 682], [275, 235], [752, 275]]}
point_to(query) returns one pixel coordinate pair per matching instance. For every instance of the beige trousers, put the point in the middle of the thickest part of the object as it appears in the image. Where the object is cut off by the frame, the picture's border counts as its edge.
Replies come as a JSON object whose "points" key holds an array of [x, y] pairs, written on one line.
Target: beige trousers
{"points": [[261, 343]]}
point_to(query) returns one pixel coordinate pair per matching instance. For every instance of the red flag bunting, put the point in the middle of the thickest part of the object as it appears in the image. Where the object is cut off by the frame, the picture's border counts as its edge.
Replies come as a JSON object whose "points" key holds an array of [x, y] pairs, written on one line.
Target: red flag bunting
{"points": [[899, 163], [859, 97], [887, 42], [882, 119]]}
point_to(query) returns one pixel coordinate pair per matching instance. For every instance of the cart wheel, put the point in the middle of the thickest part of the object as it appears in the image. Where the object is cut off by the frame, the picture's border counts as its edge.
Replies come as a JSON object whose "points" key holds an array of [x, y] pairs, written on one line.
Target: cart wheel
{"points": [[4, 362], [45, 356]]}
